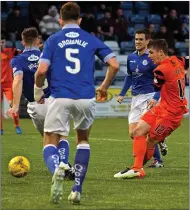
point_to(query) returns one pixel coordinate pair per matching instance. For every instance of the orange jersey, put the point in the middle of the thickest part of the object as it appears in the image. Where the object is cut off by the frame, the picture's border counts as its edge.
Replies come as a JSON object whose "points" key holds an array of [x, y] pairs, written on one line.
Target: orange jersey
{"points": [[6, 71], [171, 72]]}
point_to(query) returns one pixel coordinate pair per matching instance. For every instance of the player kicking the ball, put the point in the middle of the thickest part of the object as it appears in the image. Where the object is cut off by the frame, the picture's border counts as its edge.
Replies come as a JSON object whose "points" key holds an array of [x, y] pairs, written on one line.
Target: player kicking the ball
{"points": [[160, 121]]}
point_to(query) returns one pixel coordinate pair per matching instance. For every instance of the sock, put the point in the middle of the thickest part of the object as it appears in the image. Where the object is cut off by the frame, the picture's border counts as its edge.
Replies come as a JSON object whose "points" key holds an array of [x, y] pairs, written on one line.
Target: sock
{"points": [[139, 150], [148, 155], [81, 165], [63, 149], [156, 154], [16, 119], [51, 157]]}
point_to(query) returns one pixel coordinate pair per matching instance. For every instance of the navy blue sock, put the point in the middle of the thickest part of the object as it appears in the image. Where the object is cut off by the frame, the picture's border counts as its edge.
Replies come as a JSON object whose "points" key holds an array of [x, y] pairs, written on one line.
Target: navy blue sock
{"points": [[81, 165], [157, 153], [51, 157], [63, 149]]}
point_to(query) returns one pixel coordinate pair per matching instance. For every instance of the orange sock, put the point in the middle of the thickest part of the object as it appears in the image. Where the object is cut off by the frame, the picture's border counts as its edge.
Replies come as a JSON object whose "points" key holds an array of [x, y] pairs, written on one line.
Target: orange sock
{"points": [[16, 119], [148, 155], [139, 150]]}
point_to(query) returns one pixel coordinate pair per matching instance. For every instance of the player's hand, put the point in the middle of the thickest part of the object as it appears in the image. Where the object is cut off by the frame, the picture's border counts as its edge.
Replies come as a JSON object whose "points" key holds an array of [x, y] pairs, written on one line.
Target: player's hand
{"points": [[12, 111], [151, 103], [38, 93], [120, 99], [101, 94]]}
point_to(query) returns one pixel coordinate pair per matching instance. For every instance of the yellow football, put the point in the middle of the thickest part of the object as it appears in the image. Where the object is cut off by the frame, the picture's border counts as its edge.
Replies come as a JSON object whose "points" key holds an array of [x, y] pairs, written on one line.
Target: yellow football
{"points": [[19, 166]]}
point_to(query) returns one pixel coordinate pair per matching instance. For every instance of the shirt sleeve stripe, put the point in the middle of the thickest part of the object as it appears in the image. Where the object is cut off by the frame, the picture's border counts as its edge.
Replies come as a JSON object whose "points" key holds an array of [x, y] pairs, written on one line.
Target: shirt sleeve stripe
{"points": [[111, 55], [44, 60]]}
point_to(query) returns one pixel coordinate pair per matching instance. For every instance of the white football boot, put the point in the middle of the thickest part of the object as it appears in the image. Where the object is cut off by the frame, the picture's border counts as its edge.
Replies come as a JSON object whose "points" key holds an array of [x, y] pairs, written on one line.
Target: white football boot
{"points": [[57, 181], [74, 197], [129, 173]]}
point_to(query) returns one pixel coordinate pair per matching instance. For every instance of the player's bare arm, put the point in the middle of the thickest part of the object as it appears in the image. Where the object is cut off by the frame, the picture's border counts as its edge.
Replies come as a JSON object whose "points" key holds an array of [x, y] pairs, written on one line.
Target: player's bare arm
{"points": [[110, 74], [40, 76], [17, 92]]}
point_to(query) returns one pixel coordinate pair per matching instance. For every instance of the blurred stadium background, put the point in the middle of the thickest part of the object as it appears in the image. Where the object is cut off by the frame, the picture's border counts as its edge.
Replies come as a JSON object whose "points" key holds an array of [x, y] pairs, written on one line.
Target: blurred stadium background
{"points": [[167, 20]]}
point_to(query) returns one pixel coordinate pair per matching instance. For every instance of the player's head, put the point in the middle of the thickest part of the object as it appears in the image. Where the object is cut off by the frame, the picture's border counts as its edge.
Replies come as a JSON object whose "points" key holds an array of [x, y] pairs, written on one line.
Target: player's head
{"points": [[70, 13], [142, 37], [30, 37], [3, 42], [158, 50]]}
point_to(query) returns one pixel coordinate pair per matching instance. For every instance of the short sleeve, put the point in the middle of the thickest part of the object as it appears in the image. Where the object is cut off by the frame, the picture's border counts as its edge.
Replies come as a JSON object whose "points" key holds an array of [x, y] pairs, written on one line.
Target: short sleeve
{"points": [[103, 51], [46, 55], [16, 66]]}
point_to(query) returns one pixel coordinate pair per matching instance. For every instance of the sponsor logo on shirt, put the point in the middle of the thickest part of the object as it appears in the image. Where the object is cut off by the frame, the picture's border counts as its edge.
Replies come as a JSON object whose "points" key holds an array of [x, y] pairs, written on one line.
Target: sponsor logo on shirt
{"points": [[33, 58], [72, 34], [132, 61]]}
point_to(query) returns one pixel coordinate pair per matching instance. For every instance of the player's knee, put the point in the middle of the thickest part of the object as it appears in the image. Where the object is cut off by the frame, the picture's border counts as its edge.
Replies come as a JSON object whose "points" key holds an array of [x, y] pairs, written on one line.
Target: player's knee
{"points": [[82, 136], [50, 138], [136, 132], [131, 134]]}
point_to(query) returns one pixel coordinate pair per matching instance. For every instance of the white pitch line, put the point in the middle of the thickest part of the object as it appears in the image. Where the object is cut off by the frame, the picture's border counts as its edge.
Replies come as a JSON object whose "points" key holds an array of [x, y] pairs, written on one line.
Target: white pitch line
{"points": [[125, 140]]}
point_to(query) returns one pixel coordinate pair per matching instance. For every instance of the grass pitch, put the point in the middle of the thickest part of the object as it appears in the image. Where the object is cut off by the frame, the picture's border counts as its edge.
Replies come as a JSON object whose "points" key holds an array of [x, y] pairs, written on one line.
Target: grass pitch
{"points": [[111, 151]]}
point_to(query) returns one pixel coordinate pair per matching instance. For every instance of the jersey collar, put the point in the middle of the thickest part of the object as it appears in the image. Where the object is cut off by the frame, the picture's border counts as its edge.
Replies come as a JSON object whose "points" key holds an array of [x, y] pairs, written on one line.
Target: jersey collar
{"points": [[30, 49], [145, 53], [71, 25]]}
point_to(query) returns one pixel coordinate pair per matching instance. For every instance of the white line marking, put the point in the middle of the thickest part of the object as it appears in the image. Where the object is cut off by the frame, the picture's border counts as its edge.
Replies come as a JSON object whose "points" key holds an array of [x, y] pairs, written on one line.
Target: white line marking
{"points": [[125, 140]]}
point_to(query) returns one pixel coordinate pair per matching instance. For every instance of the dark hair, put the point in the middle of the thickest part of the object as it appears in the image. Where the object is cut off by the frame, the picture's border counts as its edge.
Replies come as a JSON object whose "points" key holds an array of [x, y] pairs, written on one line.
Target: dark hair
{"points": [[29, 35], [145, 32], [159, 44], [2, 37], [70, 11]]}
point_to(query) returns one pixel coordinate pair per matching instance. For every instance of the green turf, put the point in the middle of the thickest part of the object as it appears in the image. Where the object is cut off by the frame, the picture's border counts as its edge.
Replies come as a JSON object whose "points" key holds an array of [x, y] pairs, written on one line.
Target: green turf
{"points": [[163, 188]]}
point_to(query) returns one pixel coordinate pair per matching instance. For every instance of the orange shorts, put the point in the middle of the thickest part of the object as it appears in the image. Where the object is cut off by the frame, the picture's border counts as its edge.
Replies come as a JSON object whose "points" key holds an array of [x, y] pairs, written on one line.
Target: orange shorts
{"points": [[7, 90], [162, 123]]}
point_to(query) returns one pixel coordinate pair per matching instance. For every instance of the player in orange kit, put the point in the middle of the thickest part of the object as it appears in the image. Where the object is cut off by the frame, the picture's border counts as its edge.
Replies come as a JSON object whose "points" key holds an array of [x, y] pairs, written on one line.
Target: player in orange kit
{"points": [[6, 80], [160, 121]]}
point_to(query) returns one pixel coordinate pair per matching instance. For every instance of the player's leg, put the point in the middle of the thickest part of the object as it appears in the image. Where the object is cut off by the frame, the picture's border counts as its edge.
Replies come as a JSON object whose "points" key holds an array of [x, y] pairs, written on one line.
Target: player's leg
{"points": [[132, 126], [56, 125], [83, 116], [63, 149], [138, 106], [158, 162], [9, 96], [163, 127], [163, 147], [37, 113], [134, 114]]}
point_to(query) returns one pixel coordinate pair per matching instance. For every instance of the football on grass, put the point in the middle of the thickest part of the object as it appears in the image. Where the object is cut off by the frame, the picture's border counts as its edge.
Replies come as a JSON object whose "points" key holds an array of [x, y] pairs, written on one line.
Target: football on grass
{"points": [[19, 166]]}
